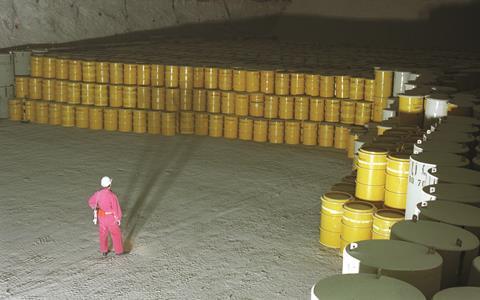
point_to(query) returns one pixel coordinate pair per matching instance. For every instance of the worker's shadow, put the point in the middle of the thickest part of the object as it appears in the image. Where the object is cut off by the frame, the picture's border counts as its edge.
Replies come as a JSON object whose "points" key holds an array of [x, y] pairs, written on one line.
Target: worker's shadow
{"points": [[156, 169]]}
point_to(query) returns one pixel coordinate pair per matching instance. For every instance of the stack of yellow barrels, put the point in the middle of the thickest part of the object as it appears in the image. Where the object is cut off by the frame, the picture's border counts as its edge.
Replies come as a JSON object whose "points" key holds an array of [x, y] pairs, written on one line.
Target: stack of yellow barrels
{"points": [[331, 217], [396, 180], [371, 166]]}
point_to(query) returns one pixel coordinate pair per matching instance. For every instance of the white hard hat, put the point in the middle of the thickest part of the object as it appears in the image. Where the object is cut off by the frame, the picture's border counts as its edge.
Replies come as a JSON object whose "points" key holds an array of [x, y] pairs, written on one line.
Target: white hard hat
{"points": [[106, 181]]}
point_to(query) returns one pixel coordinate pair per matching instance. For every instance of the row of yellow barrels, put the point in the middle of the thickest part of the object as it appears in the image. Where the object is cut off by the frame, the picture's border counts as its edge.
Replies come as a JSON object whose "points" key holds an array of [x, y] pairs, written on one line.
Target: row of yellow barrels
{"points": [[382, 177], [201, 123], [237, 79], [344, 220], [214, 101]]}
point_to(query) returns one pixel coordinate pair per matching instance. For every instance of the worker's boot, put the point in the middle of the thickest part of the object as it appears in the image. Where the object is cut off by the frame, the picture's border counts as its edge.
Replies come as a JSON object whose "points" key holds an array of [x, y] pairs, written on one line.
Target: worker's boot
{"points": [[104, 254]]}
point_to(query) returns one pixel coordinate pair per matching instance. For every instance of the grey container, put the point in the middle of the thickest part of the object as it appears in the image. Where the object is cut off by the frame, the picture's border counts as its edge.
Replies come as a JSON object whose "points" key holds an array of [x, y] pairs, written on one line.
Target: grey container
{"points": [[454, 192], [474, 278], [409, 262], [21, 62], [457, 246], [6, 70], [6, 93], [455, 175], [364, 287], [459, 293]]}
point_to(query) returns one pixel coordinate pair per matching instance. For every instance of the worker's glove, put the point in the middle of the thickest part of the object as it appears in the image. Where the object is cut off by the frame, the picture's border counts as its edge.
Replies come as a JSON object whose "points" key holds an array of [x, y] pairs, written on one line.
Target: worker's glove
{"points": [[117, 222]]}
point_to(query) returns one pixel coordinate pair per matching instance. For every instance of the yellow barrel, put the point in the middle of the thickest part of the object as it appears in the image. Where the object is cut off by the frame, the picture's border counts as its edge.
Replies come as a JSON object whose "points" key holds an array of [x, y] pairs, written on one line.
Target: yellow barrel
{"points": [[341, 136], [158, 98], [21, 86], [199, 101], [267, 82], [28, 110], [372, 158], [357, 87], [317, 109], [214, 101], [331, 217], [88, 93], [144, 97], [396, 180], [347, 111], [370, 176], [61, 90], [260, 130], [282, 83], [211, 78], [61, 68], [302, 104], [270, 110], [252, 81], [332, 110], [383, 83], [74, 70], [309, 133], [379, 104], [286, 105], [186, 98], [157, 76], [256, 104], [130, 73], [74, 91], [144, 75], [55, 114], [116, 72], [410, 104], [36, 66], [215, 125], [15, 109], [228, 102], [102, 71], [201, 123], [326, 132], [230, 127], [198, 77], [276, 130], [110, 119], [245, 128], [383, 220], [187, 122], [312, 85], [292, 132], [241, 104], [342, 87], [327, 86], [68, 115], [95, 118], [48, 89], [357, 222], [153, 122], [172, 99], [371, 165], [297, 84], [239, 80], [101, 94], [139, 120], [363, 111], [169, 123], [49, 67], [35, 88], [129, 96], [225, 79], [88, 71], [369, 92], [124, 120], [115, 95], [185, 77], [373, 193], [82, 116]]}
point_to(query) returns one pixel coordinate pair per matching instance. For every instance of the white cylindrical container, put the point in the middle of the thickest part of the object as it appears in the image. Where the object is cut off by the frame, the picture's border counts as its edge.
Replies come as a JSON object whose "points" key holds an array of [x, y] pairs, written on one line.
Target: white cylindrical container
{"points": [[399, 80], [436, 106], [388, 113]]}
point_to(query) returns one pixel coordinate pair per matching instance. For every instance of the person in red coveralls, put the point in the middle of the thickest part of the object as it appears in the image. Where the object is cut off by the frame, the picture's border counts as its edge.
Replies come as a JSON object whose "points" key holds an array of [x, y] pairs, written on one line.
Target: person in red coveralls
{"points": [[109, 215]]}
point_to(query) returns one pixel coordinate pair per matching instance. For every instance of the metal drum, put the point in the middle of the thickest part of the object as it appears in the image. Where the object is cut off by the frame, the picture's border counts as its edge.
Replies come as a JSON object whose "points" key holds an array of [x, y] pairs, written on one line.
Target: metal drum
{"points": [[331, 214], [276, 129], [357, 221], [87, 93], [256, 104], [241, 104], [35, 88], [252, 81], [245, 128], [201, 123], [383, 83], [198, 77], [292, 132], [302, 104], [185, 77], [309, 133], [199, 101], [211, 78], [169, 123], [15, 109], [61, 68], [327, 86], [88, 71], [55, 114], [95, 118], [326, 132], [154, 121], [286, 105], [239, 80], [260, 130], [369, 92], [130, 74], [363, 112], [187, 122], [125, 120], [186, 99], [297, 84], [116, 72], [357, 87], [48, 89], [347, 111], [139, 120], [332, 110], [341, 136], [396, 180], [270, 110], [101, 94], [82, 116], [171, 76], [102, 72], [312, 85], [115, 95], [282, 83], [215, 125], [342, 87], [464, 293], [68, 115], [225, 79], [230, 126], [74, 70], [129, 96], [110, 119], [214, 103], [383, 220], [157, 75], [267, 82], [48, 69], [317, 109], [172, 99], [21, 86]]}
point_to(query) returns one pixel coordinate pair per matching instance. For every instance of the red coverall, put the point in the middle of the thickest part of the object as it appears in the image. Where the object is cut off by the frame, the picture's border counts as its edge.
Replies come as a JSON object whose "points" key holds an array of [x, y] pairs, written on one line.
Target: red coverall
{"points": [[108, 214]]}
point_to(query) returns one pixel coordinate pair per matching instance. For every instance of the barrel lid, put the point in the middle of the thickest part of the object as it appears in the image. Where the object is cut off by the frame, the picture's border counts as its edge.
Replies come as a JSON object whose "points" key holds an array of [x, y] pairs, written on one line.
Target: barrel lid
{"points": [[454, 192], [456, 175], [438, 96], [359, 206], [365, 287], [443, 146], [337, 196], [454, 213], [373, 150], [438, 235], [456, 293], [400, 156], [395, 255], [441, 159], [462, 120], [389, 214]]}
